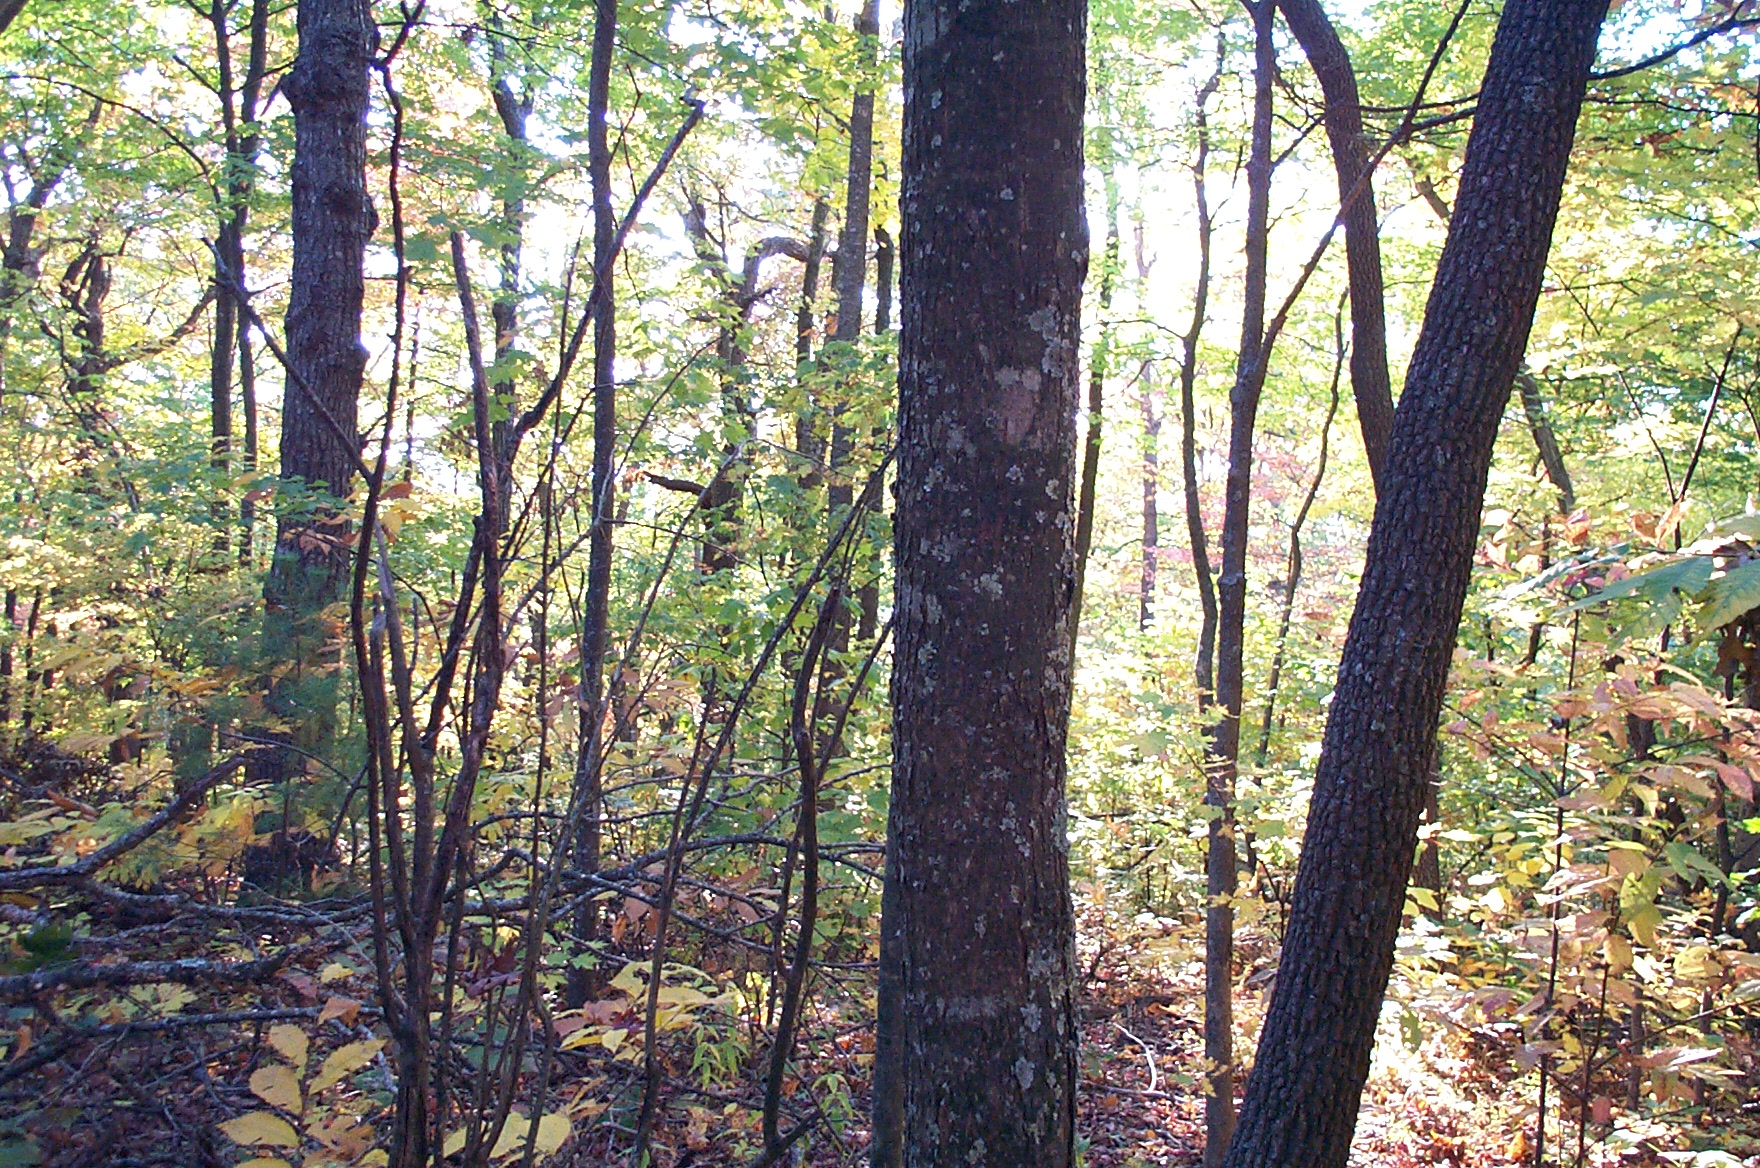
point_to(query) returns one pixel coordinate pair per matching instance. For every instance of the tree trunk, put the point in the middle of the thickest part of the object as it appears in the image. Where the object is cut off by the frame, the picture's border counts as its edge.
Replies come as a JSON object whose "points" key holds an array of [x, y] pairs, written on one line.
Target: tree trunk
{"points": [[589, 757], [1362, 229], [849, 271], [1534, 406], [1098, 360], [1222, 763], [1313, 1058], [1203, 669], [332, 220], [976, 1053]]}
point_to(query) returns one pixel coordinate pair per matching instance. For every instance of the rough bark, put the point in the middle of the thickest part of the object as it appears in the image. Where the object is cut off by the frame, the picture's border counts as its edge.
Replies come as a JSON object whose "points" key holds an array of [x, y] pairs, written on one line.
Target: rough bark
{"points": [[1222, 762], [1343, 117], [1313, 1056], [975, 1061], [9, 10], [332, 219]]}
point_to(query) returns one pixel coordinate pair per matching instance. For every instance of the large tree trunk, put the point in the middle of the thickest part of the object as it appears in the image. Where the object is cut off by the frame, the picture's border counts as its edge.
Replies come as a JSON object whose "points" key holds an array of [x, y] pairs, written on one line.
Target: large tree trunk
{"points": [[1301, 1103], [332, 220], [1362, 230], [977, 1025]]}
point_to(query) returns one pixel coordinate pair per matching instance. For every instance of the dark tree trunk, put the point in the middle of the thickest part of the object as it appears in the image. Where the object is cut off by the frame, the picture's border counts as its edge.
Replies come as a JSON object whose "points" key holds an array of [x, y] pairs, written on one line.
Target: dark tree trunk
{"points": [[332, 219], [976, 1054], [589, 758], [849, 272], [885, 257], [1223, 761], [239, 97], [1313, 1057], [1545, 441], [1362, 230], [1203, 669], [1098, 361]]}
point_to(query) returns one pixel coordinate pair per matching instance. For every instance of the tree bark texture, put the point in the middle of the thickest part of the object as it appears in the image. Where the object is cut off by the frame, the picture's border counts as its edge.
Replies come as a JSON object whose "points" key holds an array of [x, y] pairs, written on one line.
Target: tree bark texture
{"points": [[333, 217], [976, 1058], [1343, 116], [1313, 1057]]}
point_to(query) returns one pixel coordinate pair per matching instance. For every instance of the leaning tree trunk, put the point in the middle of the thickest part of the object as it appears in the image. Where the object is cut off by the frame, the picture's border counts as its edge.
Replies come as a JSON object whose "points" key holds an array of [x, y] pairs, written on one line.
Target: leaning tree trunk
{"points": [[1313, 1058], [976, 1058], [332, 219], [1362, 240]]}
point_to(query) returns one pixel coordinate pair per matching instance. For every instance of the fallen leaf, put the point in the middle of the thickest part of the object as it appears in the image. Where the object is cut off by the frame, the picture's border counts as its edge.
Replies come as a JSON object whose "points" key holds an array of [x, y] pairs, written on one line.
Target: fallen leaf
{"points": [[339, 1007], [261, 1127], [292, 1043], [345, 1060], [277, 1086]]}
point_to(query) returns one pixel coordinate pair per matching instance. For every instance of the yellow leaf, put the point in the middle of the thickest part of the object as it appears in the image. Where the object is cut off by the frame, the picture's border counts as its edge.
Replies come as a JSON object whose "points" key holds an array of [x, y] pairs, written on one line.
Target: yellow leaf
{"points": [[1619, 954], [454, 1144], [265, 1162], [377, 1158], [630, 980], [345, 1060], [335, 971], [612, 1039], [261, 1127], [1643, 924], [276, 1086], [291, 1041], [553, 1132]]}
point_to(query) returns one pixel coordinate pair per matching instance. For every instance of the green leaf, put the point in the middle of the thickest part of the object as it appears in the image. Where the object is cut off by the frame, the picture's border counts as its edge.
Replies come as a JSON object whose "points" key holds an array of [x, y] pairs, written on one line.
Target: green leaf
{"points": [[1653, 585], [1731, 595]]}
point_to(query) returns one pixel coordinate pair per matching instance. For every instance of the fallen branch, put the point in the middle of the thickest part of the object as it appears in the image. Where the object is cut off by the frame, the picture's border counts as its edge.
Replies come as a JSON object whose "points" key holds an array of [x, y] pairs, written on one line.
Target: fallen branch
{"points": [[37, 877]]}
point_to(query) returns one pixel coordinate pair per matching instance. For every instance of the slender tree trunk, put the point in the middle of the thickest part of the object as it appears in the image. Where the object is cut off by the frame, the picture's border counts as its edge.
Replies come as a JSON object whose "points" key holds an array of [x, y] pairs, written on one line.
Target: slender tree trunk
{"points": [[1220, 876], [1203, 669], [595, 638], [1343, 115], [1551, 457], [975, 1060], [849, 271], [1313, 1057], [239, 98], [1292, 573], [1098, 361], [885, 257], [1151, 498]]}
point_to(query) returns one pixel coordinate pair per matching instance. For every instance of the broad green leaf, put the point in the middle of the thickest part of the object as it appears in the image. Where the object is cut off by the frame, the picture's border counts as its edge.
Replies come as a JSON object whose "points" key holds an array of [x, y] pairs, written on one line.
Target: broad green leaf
{"points": [[1730, 595]]}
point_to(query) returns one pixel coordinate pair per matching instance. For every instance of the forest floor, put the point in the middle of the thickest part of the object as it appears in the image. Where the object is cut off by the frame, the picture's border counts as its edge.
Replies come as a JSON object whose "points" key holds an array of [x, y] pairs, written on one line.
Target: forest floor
{"points": [[138, 1093]]}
